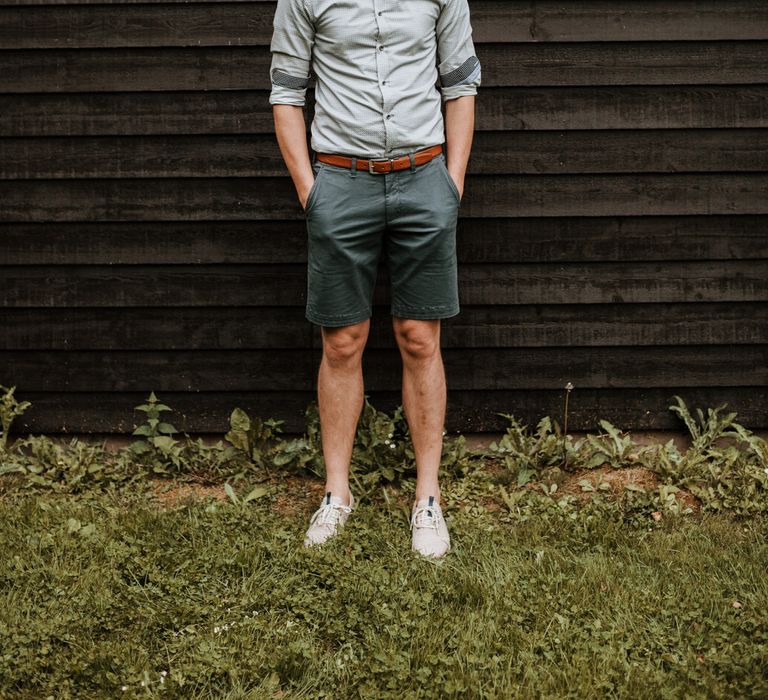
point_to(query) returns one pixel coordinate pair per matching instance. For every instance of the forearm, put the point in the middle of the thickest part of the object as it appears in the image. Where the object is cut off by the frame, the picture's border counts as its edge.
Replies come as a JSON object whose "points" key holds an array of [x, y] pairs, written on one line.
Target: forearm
{"points": [[291, 133], [459, 130]]}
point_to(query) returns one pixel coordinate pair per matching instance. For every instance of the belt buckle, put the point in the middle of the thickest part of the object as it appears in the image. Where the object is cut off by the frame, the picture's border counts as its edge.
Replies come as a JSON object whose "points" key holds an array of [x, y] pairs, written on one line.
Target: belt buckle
{"points": [[379, 160]]}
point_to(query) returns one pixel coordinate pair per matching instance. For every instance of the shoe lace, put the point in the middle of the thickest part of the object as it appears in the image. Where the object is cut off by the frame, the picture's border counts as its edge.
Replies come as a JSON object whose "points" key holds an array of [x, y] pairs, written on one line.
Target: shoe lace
{"points": [[425, 516], [329, 513]]}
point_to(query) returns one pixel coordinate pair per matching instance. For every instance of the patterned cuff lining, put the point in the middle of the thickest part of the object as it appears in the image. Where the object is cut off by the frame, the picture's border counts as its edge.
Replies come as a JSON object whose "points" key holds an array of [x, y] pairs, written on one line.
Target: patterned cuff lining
{"points": [[460, 74], [287, 80]]}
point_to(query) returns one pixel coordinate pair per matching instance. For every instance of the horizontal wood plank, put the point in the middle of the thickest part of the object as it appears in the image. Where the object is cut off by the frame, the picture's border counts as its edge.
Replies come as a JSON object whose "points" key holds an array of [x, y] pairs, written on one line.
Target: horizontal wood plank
{"points": [[622, 107], [496, 326], [476, 369], [499, 109], [258, 285], [493, 153], [497, 240], [196, 199], [26, 24], [246, 68]]}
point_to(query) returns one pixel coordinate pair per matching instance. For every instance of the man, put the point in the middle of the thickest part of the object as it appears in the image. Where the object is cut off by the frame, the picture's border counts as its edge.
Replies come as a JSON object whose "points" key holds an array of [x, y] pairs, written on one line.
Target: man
{"points": [[379, 183]]}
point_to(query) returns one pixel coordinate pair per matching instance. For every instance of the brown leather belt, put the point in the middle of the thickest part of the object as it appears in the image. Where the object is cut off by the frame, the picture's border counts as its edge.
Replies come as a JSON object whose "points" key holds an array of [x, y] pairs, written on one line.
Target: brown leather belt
{"points": [[382, 165]]}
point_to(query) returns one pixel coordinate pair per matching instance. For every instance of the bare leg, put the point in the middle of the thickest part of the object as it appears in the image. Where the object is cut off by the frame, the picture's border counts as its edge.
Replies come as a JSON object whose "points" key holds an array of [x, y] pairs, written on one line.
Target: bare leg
{"points": [[340, 400], [424, 397]]}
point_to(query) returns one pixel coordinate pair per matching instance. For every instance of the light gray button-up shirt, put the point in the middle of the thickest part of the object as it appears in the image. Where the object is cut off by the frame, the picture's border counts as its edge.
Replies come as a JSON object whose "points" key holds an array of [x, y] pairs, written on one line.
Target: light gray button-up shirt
{"points": [[377, 63]]}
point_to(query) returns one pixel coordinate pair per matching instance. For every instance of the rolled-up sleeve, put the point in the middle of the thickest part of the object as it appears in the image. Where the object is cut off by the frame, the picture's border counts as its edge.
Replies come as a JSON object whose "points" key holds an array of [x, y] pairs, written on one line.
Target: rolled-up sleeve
{"points": [[293, 36], [458, 67]]}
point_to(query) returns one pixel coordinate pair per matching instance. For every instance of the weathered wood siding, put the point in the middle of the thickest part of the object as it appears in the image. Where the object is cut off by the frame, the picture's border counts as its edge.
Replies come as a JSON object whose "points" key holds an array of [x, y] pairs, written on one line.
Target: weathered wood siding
{"points": [[613, 232]]}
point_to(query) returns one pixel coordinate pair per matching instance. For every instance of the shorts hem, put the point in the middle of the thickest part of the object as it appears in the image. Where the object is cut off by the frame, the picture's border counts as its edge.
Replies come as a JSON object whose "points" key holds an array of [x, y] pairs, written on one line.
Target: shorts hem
{"points": [[426, 314], [335, 321]]}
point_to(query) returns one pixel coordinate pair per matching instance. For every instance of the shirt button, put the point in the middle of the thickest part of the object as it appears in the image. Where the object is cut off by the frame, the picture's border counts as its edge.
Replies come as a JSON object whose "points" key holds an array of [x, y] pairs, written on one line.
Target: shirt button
{"points": [[379, 13], [381, 48], [388, 116]]}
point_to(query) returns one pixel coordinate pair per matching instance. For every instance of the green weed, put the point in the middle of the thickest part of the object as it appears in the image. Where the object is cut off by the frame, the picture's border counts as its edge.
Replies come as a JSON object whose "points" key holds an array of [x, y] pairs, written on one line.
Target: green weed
{"points": [[726, 466], [10, 409]]}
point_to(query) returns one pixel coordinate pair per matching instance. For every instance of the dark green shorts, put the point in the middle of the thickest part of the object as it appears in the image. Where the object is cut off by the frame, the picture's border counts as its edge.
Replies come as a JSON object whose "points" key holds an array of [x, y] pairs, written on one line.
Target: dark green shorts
{"points": [[354, 217]]}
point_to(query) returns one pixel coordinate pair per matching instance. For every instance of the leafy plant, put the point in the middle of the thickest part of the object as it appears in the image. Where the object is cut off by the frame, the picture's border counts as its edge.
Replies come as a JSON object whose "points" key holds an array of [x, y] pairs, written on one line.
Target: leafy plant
{"points": [[257, 492], [525, 453], [72, 467], [614, 447], [159, 449], [10, 408], [304, 454], [255, 437], [726, 465], [211, 462], [704, 431]]}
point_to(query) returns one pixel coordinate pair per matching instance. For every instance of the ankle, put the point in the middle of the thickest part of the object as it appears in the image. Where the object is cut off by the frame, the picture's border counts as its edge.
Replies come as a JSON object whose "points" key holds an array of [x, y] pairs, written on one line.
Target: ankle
{"points": [[423, 494], [340, 490]]}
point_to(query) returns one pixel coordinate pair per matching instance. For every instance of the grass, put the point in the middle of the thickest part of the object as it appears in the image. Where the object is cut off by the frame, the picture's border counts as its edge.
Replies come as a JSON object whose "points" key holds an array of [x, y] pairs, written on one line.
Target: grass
{"points": [[541, 596]]}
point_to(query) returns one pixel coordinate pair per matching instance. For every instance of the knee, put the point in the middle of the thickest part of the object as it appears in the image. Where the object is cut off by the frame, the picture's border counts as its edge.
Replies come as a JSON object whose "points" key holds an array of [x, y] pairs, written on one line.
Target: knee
{"points": [[418, 340], [343, 346]]}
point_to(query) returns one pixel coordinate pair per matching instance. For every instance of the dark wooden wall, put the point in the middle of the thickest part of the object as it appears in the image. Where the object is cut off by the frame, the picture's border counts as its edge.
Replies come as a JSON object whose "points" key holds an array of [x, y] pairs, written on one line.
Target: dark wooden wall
{"points": [[613, 231]]}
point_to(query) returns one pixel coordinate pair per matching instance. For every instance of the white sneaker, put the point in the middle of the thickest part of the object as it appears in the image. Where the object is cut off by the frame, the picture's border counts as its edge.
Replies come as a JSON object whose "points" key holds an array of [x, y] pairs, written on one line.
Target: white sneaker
{"points": [[429, 531], [328, 519]]}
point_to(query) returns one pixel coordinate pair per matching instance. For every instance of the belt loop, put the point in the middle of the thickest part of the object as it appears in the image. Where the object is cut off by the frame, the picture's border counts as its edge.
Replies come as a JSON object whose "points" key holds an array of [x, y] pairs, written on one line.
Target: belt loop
{"points": [[314, 158], [413, 161], [353, 167]]}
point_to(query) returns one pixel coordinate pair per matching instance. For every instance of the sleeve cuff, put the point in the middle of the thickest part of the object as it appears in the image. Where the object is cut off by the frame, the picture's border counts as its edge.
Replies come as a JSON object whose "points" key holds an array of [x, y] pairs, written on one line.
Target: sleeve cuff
{"points": [[463, 80], [287, 96], [451, 93]]}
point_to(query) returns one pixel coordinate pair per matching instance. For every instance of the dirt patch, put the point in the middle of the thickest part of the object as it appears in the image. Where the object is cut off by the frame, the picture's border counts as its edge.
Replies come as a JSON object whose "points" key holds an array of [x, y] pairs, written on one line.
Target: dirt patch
{"points": [[294, 495], [493, 467], [618, 480], [298, 496], [170, 494], [491, 505]]}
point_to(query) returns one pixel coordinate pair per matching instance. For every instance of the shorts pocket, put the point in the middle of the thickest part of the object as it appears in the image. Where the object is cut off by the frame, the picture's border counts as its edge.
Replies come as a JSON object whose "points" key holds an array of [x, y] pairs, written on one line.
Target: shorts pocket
{"points": [[444, 168], [312, 196]]}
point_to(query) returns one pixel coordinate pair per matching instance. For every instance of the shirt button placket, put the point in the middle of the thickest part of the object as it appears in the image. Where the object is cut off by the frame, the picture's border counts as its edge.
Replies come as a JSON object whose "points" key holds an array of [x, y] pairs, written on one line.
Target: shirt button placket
{"points": [[382, 69]]}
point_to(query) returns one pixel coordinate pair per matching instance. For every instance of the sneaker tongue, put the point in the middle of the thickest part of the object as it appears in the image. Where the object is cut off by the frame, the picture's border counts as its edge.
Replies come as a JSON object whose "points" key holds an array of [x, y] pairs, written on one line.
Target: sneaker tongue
{"points": [[430, 501], [335, 500]]}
